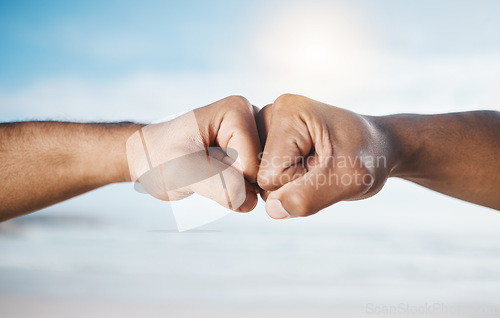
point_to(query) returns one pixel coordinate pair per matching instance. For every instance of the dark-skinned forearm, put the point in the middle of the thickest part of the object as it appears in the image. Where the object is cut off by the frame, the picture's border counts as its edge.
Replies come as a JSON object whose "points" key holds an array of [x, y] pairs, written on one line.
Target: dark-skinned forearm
{"points": [[43, 163], [456, 154]]}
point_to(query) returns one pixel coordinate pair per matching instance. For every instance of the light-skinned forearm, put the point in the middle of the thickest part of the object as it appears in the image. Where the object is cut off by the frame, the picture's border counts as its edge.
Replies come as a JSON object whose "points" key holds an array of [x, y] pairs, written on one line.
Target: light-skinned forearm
{"points": [[43, 163], [456, 154]]}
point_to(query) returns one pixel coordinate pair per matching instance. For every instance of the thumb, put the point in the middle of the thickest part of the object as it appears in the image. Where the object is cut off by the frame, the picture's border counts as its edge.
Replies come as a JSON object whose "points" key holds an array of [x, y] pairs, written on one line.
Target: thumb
{"points": [[317, 189]]}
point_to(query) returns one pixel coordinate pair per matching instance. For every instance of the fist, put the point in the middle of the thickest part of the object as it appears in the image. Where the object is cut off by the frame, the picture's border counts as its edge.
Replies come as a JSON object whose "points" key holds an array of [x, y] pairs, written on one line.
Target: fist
{"points": [[316, 155], [212, 151]]}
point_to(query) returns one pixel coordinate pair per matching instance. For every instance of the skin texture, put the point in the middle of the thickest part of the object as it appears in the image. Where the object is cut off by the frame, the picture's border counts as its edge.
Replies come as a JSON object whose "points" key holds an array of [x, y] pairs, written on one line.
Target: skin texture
{"points": [[43, 163], [47, 162], [316, 155], [222, 142]]}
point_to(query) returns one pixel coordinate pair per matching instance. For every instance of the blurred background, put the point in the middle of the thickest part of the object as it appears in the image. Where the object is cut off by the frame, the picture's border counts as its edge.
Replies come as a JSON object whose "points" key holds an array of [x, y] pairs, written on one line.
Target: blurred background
{"points": [[116, 253]]}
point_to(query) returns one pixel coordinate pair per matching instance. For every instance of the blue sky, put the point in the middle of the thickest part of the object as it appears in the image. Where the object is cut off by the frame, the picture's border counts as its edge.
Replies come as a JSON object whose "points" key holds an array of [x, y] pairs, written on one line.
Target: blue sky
{"points": [[109, 39]]}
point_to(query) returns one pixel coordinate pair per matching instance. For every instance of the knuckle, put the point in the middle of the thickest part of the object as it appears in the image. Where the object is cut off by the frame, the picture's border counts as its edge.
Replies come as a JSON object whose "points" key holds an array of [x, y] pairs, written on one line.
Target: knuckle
{"points": [[285, 100], [238, 102], [285, 97], [265, 111]]}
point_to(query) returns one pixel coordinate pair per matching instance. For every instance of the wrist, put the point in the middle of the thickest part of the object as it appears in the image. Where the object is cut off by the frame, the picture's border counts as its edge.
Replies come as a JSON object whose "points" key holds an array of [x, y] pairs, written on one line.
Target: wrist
{"points": [[110, 158], [123, 175], [401, 141]]}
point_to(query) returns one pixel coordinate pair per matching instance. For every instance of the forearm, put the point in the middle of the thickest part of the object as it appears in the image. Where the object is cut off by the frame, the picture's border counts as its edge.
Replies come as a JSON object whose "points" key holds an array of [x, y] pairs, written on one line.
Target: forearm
{"points": [[43, 163], [455, 154]]}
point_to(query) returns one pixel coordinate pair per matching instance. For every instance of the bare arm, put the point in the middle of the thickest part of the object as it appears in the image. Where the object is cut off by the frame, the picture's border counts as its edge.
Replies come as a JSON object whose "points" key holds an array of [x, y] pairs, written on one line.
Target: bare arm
{"points": [[42, 163], [316, 155], [456, 154]]}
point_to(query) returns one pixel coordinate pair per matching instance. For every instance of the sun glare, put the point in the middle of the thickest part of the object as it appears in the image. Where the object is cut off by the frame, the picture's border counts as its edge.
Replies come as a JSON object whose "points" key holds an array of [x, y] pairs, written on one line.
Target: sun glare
{"points": [[315, 40]]}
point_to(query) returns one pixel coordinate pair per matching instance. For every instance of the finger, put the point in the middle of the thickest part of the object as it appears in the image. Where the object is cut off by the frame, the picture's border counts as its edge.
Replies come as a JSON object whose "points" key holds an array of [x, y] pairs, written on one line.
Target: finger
{"points": [[287, 144], [264, 194], [238, 131], [251, 199], [153, 182], [251, 189], [226, 186], [316, 190], [263, 121], [209, 176], [255, 110]]}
